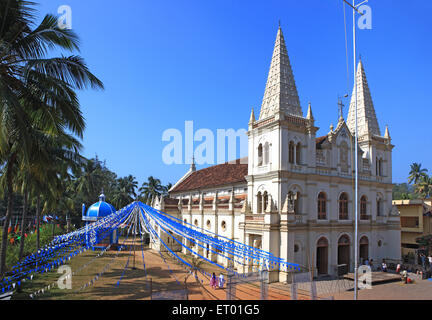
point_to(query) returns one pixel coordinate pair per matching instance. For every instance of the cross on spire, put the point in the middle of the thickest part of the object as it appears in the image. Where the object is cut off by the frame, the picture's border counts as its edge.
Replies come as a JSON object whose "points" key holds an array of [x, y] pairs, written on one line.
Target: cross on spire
{"points": [[340, 106]]}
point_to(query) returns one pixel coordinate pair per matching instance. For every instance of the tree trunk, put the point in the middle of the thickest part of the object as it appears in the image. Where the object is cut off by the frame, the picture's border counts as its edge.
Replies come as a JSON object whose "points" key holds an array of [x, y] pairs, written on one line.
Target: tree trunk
{"points": [[67, 223], [24, 215], [37, 223], [10, 195]]}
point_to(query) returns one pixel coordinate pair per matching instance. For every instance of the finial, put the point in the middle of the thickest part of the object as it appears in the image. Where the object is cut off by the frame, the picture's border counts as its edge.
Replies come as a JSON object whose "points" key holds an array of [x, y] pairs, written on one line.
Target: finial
{"points": [[387, 133], [309, 112], [193, 167], [102, 196], [340, 105], [279, 24], [252, 117]]}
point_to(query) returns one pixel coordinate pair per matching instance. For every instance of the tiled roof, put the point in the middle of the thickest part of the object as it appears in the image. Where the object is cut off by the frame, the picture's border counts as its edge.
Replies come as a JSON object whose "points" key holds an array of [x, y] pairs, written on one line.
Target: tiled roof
{"points": [[320, 140], [222, 174]]}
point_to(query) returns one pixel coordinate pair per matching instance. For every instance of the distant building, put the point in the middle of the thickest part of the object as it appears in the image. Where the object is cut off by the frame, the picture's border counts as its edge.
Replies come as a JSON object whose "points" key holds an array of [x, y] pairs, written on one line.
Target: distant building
{"points": [[294, 194], [416, 221]]}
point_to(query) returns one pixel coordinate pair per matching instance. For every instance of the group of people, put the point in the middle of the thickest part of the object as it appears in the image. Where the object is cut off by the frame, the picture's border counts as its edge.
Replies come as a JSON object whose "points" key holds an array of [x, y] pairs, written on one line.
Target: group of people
{"points": [[426, 261], [370, 263], [217, 281]]}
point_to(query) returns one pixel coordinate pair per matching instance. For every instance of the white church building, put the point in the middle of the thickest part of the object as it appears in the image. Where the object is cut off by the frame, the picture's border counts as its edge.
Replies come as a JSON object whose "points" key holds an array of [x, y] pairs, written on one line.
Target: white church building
{"points": [[294, 194]]}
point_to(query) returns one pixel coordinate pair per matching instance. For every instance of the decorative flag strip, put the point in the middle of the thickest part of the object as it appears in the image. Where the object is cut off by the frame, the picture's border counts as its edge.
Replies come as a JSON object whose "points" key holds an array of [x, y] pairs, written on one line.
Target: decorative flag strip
{"points": [[142, 219]]}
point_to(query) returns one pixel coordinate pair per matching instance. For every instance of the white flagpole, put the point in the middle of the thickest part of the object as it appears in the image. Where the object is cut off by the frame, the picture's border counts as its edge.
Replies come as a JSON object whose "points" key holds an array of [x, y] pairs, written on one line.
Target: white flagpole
{"points": [[356, 162], [354, 7]]}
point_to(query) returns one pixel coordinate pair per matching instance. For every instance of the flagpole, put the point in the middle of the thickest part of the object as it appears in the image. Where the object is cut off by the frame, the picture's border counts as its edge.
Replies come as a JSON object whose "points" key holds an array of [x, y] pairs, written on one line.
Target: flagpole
{"points": [[356, 164], [354, 7]]}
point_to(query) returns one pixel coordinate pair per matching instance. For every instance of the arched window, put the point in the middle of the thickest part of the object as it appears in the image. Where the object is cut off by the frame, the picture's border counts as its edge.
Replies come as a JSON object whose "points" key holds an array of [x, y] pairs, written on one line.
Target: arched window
{"points": [[363, 208], [208, 224], [265, 201], [379, 206], [297, 203], [294, 202], [266, 153], [260, 155], [376, 166], [322, 242], [298, 153], [322, 206], [291, 152], [259, 202], [291, 202], [223, 225], [379, 167], [343, 206]]}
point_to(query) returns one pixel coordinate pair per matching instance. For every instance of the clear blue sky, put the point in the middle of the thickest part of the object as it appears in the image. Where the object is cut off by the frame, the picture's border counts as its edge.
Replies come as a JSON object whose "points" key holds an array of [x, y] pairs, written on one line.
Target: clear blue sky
{"points": [[166, 62]]}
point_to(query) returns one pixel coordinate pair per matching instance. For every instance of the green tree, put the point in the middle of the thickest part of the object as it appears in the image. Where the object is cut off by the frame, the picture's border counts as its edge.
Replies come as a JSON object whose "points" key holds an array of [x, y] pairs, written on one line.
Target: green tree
{"points": [[124, 192], [416, 173], [150, 189], [37, 92], [424, 187]]}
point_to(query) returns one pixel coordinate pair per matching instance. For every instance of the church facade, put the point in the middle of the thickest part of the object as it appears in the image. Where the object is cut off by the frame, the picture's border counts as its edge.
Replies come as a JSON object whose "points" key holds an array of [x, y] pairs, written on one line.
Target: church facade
{"points": [[294, 194]]}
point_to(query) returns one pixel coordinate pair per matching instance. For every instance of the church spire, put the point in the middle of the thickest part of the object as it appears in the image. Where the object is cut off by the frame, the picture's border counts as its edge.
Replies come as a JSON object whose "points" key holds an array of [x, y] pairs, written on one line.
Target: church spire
{"points": [[281, 92], [367, 122]]}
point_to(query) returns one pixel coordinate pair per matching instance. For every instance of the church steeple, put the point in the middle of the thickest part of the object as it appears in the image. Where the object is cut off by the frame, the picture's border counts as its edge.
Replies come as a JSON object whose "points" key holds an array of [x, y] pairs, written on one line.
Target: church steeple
{"points": [[281, 92], [367, 122]]}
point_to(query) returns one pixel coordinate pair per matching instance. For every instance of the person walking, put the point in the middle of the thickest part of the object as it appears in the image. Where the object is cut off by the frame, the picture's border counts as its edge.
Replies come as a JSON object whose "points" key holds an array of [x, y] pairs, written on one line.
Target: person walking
{"points": [[221, 281], [213, 281]]}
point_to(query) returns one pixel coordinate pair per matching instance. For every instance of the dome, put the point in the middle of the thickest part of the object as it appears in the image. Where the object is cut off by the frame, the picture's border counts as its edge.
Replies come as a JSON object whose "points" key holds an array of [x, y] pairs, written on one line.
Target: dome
{"points": [[99, 210]]}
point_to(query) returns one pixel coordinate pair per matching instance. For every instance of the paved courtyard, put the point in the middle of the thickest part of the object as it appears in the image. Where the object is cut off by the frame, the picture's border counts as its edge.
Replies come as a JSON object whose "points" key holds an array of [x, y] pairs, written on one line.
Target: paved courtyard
{"points": [[419, 290]]}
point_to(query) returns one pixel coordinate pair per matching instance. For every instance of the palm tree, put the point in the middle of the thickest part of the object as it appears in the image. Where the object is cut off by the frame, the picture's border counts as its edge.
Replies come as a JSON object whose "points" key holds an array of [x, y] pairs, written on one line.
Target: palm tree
{"points": [[416, 173], [89, 179], [166, 189], [424, 187], [37, 92], [150, 189], [125, 191]]}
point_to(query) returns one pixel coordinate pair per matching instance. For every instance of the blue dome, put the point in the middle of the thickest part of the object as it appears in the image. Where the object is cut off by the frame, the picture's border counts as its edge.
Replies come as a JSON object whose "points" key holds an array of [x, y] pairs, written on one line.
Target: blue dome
{"points": [[99, 210]]}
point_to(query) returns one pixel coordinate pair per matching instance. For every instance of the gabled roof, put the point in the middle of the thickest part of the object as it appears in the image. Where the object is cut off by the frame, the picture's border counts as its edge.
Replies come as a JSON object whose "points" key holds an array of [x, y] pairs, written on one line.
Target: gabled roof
{"points": [[223, 174]]}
